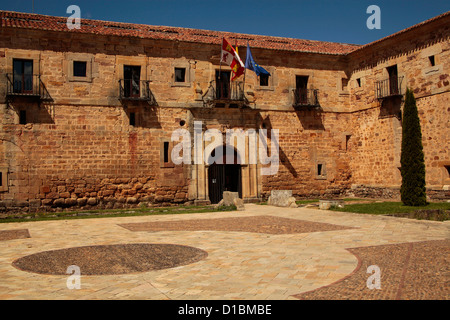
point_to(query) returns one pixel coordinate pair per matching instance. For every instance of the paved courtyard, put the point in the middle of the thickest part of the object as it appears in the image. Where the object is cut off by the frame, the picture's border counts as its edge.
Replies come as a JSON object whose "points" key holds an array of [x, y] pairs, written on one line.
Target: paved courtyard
{"points": [[263, 252]]}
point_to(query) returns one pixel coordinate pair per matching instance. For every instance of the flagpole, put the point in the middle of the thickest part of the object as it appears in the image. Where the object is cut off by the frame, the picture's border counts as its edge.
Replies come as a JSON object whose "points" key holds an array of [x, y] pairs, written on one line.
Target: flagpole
{"points": [[243, 85], [220, 63], [245, 69]]}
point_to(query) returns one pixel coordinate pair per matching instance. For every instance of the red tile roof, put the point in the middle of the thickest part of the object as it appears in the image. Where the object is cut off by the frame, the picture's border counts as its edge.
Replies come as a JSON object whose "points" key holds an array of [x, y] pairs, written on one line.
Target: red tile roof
{"points": [[43, 22]]}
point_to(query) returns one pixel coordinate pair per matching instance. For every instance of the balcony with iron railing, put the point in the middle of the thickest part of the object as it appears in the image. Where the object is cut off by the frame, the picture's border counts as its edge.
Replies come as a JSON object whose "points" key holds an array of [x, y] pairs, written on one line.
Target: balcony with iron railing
{"points": [[225, 93], [389, 88], [306, 98], [136, 90], [27, 86]]}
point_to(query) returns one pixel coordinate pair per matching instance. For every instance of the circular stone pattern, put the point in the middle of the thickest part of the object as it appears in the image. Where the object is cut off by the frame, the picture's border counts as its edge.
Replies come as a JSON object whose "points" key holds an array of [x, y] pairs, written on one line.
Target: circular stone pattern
{"points": [[111, 259]]}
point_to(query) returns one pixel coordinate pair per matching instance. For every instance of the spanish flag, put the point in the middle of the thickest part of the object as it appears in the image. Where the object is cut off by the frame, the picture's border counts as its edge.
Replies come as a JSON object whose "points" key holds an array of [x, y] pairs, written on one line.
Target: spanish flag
{"points": [[230, 57]]}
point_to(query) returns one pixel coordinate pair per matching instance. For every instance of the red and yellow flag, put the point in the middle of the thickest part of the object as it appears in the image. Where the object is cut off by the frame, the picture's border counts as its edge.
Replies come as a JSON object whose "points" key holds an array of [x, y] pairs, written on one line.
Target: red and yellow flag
{"points": [[231, 58]]}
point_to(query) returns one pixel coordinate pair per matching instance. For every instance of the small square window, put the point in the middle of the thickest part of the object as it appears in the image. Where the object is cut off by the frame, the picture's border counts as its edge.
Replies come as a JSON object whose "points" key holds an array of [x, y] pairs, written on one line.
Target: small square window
{"points": [[264, 80], [1, 179], [358, 82], [432, 61], [79, 68], [180, 74]]}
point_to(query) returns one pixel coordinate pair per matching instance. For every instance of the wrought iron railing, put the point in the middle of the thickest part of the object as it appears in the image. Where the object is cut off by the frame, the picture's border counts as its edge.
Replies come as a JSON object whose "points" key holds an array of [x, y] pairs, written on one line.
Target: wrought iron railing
{"points": [[391, 87], [24, 85], [225, 92], [306, 97], [136, 90]]}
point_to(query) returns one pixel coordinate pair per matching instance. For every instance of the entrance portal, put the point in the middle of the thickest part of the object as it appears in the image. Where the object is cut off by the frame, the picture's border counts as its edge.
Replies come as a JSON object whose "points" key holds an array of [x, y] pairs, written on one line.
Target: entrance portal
{"points": [[224, 176]]}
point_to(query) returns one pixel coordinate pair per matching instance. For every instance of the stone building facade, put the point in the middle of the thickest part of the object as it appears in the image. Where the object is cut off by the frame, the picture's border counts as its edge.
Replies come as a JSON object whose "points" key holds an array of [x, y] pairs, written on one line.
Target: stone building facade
{"points": [[87, 115]]}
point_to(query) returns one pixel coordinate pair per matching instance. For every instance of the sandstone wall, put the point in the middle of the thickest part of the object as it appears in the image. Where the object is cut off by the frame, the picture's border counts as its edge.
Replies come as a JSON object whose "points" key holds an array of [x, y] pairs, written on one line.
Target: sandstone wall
{"points": [[90, 155], [53, 53], [80, 149], [377, 123]]}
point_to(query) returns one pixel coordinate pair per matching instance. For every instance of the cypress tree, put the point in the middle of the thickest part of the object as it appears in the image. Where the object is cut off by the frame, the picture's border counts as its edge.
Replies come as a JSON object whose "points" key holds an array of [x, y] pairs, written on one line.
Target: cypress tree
{"points": [[413, 192]]}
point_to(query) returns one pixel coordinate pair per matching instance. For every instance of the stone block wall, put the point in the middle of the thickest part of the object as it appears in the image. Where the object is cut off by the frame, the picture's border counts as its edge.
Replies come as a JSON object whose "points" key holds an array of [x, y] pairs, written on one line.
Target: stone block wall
{"points": [[91, 155], [377, 123], [79, 150]]}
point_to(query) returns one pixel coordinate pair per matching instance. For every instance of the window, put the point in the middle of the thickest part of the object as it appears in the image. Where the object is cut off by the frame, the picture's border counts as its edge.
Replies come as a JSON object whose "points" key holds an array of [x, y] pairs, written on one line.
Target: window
{"points": [[131, 82], [3, 179], [166, 151], [165, 158], [432, 61], [358, 82], [223, 83], [393, 80], [301, 85], [180, 74], [347, 141], [79, 68], [301, 82], [22, 117], [132, 118], [264, 80], [22, 76], [320, 171], [448, 171]]}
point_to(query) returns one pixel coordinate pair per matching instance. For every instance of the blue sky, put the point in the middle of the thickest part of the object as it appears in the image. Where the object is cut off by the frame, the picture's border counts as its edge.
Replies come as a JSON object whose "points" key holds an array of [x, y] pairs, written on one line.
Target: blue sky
{"points": [[325, 20]]}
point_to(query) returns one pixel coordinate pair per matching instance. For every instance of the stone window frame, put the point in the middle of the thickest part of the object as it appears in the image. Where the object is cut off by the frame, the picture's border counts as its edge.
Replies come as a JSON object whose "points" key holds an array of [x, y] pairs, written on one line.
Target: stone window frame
{"points": [[323, 175], [353, 82], [134, 62], [82, 57], [272, 80], [189, 74], [340, 85], [425, 54], [137, 117], [302, 73], [35, 57], [168, 164], [4, 177]]}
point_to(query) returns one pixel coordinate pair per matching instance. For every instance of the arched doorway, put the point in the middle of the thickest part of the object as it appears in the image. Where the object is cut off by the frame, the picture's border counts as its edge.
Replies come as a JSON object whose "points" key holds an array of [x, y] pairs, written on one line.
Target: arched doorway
{"points": [[223, 175]]}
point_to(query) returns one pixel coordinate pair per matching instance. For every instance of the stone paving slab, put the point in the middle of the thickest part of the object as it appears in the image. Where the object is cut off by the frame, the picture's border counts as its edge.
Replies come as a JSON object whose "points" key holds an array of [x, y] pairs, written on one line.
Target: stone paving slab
{"points": [[239, 265]]}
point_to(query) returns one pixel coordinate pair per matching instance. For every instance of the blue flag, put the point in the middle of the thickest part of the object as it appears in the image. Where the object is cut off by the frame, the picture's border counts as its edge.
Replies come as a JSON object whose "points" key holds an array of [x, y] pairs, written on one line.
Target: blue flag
{"points": [[250, 64]]}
